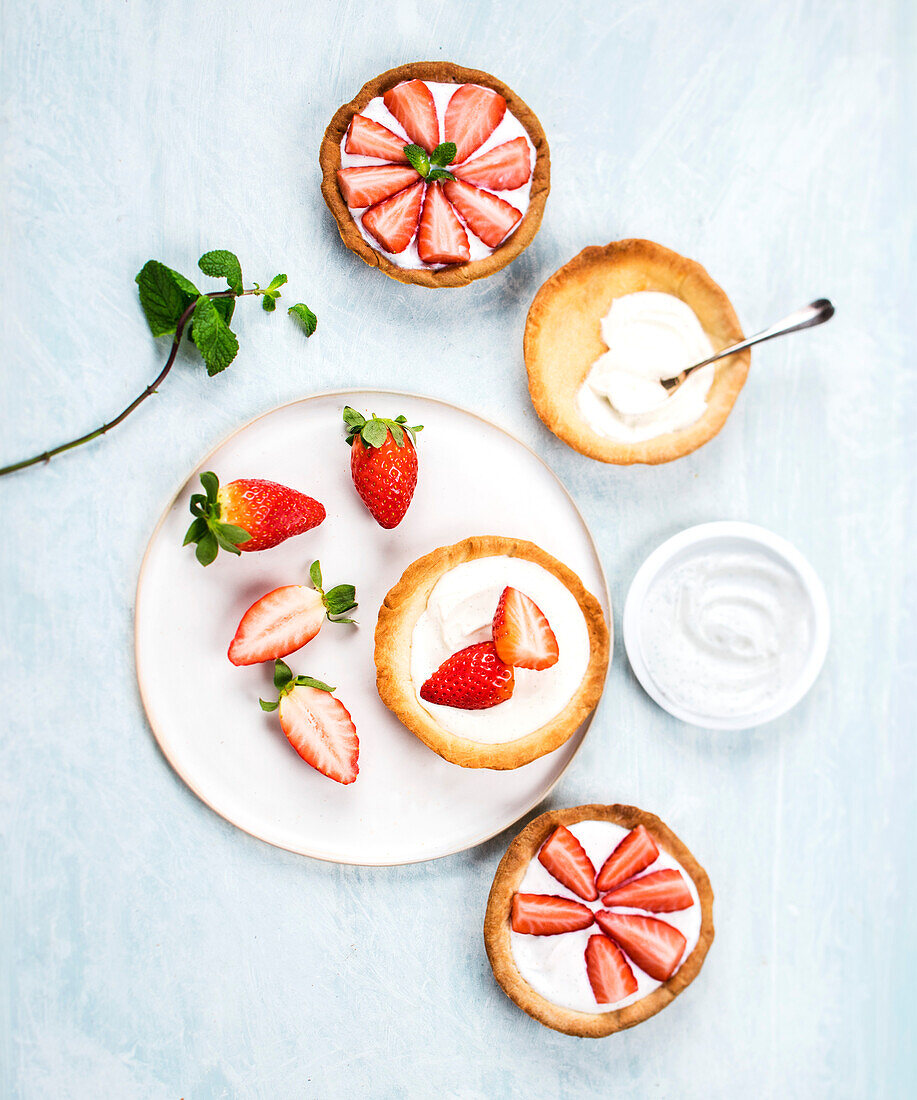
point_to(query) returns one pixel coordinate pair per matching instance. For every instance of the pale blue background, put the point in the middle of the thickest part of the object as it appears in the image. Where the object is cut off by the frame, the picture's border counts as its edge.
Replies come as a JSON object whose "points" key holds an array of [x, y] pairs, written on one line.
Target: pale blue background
{"points": [[149, 949]]}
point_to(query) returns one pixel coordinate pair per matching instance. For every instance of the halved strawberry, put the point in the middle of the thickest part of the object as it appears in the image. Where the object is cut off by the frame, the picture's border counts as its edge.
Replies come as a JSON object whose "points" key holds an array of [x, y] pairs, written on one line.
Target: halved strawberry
{"points": [[412, 104], [548, 915], [610, 975], [393, 222], [287, 618], [634, 854], [654, 945], [486, 215], [367, 186], [503, 168], [366, 138], [441, 239], [522, 635], [471, 117], [473, 679], [565, 858], [316, 724], [659, 892]]}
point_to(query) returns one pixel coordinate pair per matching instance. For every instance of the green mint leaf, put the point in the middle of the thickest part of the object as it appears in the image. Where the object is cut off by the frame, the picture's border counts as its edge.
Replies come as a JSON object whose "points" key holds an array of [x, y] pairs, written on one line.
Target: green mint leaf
{"points": [[164, 296], [315, 574], [268, 303], [215, 340], [374, 433], [276, 282], [207, 549], [443, 154], [417, 158], [306, 317], [265, 705], [282, 675], [226, 307], [307, 681], [439, 174], [223, 264]]}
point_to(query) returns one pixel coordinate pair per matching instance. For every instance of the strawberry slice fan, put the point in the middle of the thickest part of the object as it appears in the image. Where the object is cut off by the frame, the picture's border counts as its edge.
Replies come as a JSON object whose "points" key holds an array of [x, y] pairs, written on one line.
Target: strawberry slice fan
{"points": [[415, 193], [625, 938]]}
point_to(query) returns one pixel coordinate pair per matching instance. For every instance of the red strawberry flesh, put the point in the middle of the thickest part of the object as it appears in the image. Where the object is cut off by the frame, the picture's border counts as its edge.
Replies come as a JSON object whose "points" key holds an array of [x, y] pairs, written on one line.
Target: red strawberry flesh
{"points": [[321, 730], [486, 215], [652, 944], [522, 634], [610, 975], [503, 168], [269, 512], [442, 238], [471, 117], [658, 892], [278, 624], [564, 857], [366, 138], [412, 105], [473, 679], [393, 222], [634, 854], [366, 186], [548, 915]]}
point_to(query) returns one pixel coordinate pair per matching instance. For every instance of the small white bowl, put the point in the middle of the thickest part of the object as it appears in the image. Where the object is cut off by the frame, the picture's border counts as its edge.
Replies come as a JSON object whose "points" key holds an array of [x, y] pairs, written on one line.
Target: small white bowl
{"points": [[728, 535]]}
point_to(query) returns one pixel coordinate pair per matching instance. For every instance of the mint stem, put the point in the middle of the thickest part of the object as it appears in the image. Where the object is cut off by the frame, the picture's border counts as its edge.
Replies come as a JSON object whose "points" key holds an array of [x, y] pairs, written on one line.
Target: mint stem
{"points": [[46, 456]]}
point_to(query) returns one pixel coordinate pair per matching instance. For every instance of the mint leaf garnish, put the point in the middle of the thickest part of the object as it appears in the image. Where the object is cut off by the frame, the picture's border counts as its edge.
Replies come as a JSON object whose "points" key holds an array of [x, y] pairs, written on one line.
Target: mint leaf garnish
{"points": [[443, 154], [439, 174], [215, 340], [418, 159], [223, 264], [164, 296], [305, 316]]}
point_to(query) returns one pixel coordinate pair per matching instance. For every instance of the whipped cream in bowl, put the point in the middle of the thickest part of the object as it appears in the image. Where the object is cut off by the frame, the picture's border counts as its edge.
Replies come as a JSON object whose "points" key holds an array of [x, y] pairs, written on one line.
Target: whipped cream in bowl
{"points": [[459, 613], [650, 336]]}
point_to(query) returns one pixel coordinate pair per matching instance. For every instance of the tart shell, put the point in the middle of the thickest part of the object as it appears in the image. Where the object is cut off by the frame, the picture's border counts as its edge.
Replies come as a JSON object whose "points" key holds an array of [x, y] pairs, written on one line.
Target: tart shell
{"points": [[455, 274], [563, 340], [497, 926], [404, 605]]}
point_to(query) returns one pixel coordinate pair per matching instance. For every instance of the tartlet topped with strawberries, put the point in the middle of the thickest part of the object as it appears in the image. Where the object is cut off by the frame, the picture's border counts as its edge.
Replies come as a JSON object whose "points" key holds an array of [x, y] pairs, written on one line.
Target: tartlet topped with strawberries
{"points": [[436, 174], [491, 652]]}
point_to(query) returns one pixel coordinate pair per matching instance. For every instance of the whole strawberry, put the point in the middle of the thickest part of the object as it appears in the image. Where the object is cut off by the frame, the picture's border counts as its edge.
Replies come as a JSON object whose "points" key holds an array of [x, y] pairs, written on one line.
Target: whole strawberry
{"points": [[247, 514], [383, 464]]}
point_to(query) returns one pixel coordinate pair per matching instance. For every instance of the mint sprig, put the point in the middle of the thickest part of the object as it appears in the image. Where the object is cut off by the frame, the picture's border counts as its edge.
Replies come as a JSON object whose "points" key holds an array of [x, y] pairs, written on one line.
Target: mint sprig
{"points": [[376, 429], [433, 166], [285, 681], [171, 304], [305, 316]]}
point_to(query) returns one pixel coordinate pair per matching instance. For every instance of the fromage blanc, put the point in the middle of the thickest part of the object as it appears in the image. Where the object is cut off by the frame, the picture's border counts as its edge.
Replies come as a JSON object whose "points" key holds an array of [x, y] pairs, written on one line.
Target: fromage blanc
{"points": [[649, 336], [459, 613]]}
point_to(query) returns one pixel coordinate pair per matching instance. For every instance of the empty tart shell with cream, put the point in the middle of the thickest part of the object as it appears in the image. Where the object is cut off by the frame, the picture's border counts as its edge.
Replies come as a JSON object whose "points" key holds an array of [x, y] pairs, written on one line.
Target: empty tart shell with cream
{"points": [[598, 917], [491, 652], [436, 174], [606, 328]]}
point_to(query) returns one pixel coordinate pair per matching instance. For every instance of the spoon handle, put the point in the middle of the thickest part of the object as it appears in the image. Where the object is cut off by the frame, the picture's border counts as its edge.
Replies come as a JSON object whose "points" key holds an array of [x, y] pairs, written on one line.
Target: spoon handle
{"points": [[815, 313]]}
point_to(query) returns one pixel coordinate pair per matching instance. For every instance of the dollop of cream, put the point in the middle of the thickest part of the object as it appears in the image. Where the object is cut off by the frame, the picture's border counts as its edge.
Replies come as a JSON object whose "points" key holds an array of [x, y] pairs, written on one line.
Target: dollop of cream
{"points": [[649, 336], [555, 966], [460, 612], [725, 633]]}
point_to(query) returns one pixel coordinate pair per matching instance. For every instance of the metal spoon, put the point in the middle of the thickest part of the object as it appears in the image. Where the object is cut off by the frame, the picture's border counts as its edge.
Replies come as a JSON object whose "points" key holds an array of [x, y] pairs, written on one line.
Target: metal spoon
{"points": [[815, 313]]}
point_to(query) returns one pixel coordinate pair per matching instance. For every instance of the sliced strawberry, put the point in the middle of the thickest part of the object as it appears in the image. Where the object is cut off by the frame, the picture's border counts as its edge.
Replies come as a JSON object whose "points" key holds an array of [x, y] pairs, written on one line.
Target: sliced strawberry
{"points": [[471, 117], [412, 104], [654, 945], [473, 679], [610, 975], [320, 728], [366, 138], [634, 854], [548, 915], [486, 215], [278, 624], [367, 186], [565, 858], [522, 634], [393, 222], [503, 168], [442, 239], [659, 892]]}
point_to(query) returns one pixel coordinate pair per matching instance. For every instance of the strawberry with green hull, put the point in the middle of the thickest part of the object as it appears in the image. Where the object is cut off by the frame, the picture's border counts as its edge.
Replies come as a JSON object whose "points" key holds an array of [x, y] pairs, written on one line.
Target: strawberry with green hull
{"points": [[473, 679], [316, 724], [247, 514], [383, 464], [287, 618]]}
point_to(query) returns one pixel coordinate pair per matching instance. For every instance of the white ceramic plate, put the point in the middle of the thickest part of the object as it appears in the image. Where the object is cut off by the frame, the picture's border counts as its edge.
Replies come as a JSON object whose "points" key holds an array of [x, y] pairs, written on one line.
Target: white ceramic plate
{"points": [[728, 535], [407, 804]]}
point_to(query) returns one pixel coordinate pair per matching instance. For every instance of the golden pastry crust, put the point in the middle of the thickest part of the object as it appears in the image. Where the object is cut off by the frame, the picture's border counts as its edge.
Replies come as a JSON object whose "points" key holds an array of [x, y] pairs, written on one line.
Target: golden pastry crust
{"points": [[456, 274], [497, 923], [563, 339], [404, 605]]}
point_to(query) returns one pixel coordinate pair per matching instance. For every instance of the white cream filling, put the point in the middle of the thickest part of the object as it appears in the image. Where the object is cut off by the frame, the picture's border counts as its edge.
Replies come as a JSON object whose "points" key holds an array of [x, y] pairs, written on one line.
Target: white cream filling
{"points": [[555, 966], [649, 336], [460, 612], [510, 127]]}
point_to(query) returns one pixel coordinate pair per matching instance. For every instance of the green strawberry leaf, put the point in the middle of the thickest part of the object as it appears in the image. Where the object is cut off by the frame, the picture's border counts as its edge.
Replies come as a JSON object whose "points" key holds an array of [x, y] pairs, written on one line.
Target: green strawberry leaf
{"points": [[236, 535], [211, 484], [374, 433], [196, 531], [283, 675], [352, 418], [397, 433], [315, 574], [221, 263], [215, 340], [443, 154], [266, 705], [417, 158], [305, 316], [307, 681], [340, 599], [164, 296], [207, 549]]}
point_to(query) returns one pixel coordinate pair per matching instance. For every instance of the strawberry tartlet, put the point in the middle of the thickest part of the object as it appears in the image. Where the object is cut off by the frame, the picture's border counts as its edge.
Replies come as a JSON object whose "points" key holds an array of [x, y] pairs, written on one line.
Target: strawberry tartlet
{"points": [[598, 918], [436, 174], [491, 651]]}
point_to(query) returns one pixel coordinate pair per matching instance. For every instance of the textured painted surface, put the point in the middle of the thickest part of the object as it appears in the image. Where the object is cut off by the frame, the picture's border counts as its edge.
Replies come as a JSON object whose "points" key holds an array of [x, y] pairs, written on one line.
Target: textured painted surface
{"points": [[151, 950]]}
